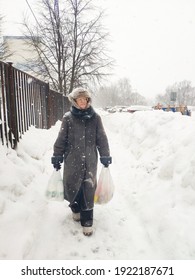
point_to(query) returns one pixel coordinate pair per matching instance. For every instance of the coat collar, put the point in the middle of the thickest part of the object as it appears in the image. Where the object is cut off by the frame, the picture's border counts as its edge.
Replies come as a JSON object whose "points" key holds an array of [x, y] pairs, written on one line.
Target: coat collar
{"points": [[83, 114]]}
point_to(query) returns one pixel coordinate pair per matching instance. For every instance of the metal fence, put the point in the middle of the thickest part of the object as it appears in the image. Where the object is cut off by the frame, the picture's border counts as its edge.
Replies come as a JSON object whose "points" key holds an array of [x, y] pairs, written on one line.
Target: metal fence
{"points": [[26, 101]]}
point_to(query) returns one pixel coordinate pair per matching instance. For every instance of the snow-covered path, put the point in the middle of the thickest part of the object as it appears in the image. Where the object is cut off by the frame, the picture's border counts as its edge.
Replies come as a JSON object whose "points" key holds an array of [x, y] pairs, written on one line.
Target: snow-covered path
{"points": [[148, 218]]}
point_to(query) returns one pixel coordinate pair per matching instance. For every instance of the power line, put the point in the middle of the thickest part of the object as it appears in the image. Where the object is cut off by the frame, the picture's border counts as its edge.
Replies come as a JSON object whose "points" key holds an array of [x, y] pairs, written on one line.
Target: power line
{"points": [[32, 12]]}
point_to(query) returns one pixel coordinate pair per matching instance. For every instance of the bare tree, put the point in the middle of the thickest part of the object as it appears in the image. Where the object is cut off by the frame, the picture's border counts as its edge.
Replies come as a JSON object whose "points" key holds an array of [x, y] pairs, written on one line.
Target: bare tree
{"points": [[184, 91], [4, 49], [119, 93], [70, 44]]}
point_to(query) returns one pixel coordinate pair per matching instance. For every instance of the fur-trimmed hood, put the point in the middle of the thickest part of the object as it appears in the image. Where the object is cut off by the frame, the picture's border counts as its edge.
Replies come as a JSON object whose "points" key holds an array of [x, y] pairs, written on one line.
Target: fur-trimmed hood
{"points": [[78, 92]]}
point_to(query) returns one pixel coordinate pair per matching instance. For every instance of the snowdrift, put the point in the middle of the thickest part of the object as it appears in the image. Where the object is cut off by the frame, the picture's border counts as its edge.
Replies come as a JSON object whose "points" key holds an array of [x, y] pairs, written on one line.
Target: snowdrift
{"points": [[151, 215]]}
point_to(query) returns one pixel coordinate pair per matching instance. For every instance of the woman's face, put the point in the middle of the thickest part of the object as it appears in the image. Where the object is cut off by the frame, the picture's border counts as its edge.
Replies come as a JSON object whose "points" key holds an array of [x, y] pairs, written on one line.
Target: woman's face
{"points": [[82, 102]]}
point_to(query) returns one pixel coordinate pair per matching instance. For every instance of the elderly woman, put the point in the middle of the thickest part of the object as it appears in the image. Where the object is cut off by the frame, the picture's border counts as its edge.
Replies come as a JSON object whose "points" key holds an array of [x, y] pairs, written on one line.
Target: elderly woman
{"points": [[80, 137]]}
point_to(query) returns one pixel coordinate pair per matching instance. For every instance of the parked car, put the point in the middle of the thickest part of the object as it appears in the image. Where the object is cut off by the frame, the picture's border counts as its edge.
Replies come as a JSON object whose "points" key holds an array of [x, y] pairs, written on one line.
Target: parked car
{"points": [[117, 108], [135, 108]]}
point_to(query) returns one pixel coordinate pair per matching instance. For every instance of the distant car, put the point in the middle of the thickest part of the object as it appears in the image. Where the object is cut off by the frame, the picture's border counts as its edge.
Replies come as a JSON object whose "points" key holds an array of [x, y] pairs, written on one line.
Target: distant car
{"points": [[135, 108], [117, 108], [111, 110]]}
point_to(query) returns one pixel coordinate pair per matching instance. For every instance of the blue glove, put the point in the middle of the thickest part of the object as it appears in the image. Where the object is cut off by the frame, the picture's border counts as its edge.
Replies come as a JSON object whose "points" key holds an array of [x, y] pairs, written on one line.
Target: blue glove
{"points": [[56, 161], [106, 161]]}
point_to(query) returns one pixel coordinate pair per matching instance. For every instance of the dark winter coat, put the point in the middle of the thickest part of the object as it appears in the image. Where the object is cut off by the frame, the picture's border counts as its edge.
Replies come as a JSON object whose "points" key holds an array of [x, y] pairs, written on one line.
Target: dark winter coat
{"points": [[80, 137]]}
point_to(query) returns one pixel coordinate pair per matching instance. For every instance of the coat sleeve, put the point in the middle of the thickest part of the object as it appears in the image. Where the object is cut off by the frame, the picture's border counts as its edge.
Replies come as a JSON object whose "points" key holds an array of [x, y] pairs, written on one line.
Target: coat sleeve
{"points": [[101, 139], [62, 139]]}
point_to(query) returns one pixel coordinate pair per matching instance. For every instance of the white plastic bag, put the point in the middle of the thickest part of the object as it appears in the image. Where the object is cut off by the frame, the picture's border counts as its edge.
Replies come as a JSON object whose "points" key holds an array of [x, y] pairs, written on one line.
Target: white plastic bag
{"points": [[105, 187], [55, 188]]}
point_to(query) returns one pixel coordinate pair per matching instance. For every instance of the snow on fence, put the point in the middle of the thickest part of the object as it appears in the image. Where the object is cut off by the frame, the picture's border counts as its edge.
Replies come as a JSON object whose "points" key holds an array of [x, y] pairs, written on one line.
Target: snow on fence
{"points": [[26, 101]]}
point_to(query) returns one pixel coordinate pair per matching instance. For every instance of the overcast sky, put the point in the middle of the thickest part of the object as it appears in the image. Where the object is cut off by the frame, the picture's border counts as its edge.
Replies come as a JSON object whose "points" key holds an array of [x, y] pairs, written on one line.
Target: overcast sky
{"points": [[153, 41]]}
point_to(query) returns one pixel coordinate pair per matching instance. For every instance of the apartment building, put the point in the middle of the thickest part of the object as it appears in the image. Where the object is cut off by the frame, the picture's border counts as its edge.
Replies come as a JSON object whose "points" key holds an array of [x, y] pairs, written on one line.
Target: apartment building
{"points": [[21, 52]]}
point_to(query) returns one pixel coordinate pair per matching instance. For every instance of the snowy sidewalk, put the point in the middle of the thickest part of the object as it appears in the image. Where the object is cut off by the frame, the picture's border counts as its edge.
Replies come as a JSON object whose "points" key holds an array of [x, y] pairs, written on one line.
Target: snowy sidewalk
{"points": [[150, 216]]}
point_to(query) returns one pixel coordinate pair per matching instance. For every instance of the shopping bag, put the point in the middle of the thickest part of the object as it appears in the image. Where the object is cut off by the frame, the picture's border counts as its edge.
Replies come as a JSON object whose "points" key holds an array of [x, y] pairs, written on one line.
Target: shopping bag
{"points": [[105, 187], [55, 188]]}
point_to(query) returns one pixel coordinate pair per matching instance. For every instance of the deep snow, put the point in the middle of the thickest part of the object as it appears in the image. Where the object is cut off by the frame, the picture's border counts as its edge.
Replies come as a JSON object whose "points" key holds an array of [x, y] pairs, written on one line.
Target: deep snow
{"points": [[151, 215]]}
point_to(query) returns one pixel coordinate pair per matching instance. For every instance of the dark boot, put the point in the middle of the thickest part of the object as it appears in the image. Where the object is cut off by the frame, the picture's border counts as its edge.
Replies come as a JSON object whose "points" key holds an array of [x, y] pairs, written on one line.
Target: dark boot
{"points": [[87, 222]]}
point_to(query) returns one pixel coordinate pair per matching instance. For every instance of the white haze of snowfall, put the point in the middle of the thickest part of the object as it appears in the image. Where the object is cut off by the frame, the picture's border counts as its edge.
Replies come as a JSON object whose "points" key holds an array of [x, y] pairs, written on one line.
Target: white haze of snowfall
{"points": [[151, 215]]}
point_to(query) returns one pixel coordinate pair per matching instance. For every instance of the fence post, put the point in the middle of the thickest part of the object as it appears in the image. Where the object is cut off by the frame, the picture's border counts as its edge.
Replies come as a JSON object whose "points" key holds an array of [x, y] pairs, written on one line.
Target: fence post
{"points": [[48, 107], [11, 109]]}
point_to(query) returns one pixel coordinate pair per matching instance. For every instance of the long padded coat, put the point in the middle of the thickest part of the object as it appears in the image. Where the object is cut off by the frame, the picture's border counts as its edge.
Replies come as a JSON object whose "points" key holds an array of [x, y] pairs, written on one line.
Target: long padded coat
{"points": [[80, 137]]}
